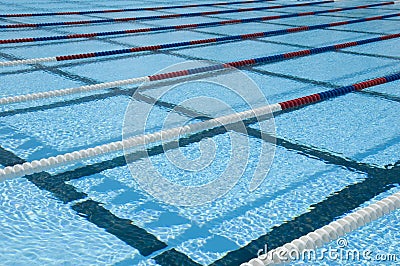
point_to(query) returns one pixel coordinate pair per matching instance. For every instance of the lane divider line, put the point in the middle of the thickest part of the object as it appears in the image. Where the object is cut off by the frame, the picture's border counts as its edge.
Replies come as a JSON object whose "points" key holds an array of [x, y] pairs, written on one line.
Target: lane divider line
{"points": [[240, 37], [330, 232], [188, 72], [184, 26], [67, 13], [195, 14], [37, 166]]}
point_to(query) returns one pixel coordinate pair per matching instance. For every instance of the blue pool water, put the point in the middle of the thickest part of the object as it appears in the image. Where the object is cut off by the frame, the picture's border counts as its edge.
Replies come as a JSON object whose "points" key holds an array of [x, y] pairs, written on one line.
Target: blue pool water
{"points": [[330, 158]]}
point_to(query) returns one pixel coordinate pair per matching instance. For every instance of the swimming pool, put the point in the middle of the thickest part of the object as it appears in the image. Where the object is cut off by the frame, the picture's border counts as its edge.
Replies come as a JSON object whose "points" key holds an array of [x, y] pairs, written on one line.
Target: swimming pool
{"points": [[325, 160]]}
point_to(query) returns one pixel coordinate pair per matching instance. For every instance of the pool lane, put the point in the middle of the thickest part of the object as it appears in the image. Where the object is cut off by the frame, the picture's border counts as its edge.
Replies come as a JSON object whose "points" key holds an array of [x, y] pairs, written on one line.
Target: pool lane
{"points": [[141, 18], [98, 190], [176, 27], [65, 13]]}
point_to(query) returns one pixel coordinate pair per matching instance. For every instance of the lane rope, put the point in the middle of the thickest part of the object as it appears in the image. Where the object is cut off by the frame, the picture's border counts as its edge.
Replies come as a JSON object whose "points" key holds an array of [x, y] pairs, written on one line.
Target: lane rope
{"points": [[193, 71], [330, 232], [66, 13], [240, 37], [169, 16], [179, 27], [37, 166]]}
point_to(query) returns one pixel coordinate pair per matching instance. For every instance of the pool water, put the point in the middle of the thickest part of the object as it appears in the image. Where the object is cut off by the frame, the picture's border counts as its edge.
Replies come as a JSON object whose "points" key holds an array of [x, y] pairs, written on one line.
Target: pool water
{"points": [[328, 159]]}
